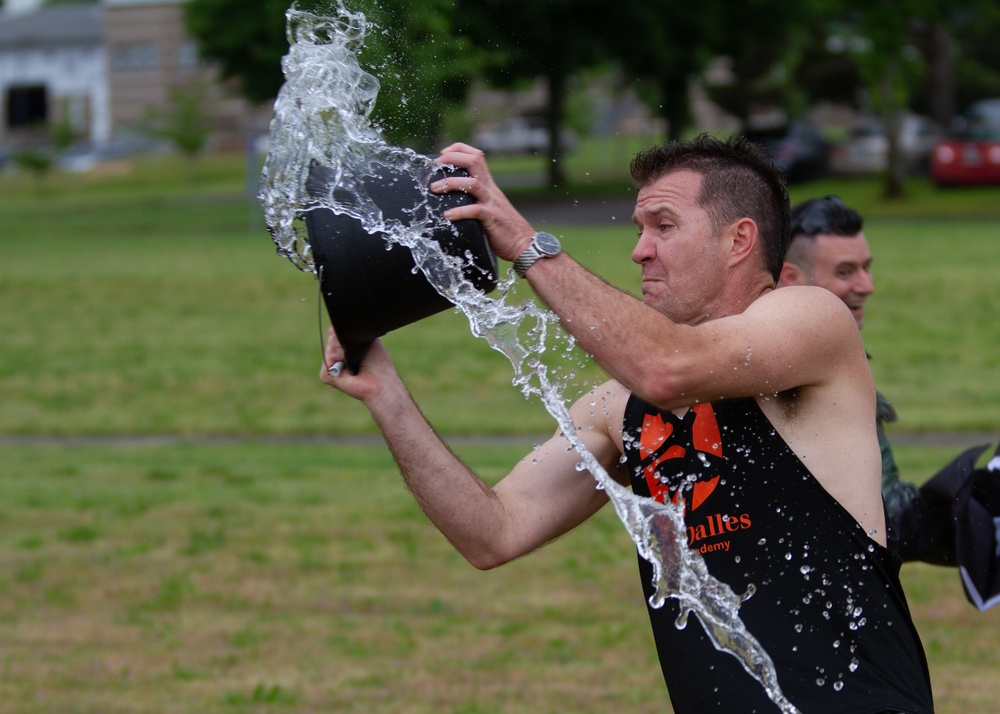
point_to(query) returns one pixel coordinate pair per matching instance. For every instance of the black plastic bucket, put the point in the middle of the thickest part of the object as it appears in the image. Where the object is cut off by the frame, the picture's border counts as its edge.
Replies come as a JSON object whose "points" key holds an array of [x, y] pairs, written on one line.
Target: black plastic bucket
{"points": [[370, 290]]}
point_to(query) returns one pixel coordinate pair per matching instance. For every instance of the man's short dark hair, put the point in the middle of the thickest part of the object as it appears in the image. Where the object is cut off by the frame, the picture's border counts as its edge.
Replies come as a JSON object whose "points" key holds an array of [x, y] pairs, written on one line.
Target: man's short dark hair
{"points": [[739, 180], [827, 216]]}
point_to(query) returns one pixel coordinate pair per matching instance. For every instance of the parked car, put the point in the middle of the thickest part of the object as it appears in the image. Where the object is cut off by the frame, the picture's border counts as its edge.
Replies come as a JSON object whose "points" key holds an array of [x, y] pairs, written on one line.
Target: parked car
{"points": [[866, 150], [798, 149], [974, 155], [519, 135]]}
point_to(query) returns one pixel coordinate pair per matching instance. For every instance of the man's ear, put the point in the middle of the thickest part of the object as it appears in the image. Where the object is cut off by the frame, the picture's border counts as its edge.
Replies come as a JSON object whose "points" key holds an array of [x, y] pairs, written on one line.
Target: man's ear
{"points": [[744, 236], [791, 274]]}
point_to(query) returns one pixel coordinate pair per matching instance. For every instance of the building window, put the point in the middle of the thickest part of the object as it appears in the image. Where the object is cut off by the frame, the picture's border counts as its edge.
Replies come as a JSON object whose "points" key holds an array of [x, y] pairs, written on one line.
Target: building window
{"points": [[187, 56], [135, 57], [27, 106]]}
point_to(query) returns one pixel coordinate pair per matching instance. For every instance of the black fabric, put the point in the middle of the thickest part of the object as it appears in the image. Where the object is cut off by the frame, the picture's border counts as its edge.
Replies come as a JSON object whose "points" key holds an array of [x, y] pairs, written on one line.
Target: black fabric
{"points": [[828, 607], [953, 521]]}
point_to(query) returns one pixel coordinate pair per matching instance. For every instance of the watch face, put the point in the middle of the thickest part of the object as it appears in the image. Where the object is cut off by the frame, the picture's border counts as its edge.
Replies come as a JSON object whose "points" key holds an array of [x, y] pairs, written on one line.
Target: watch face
{"points": [[547, 244]]}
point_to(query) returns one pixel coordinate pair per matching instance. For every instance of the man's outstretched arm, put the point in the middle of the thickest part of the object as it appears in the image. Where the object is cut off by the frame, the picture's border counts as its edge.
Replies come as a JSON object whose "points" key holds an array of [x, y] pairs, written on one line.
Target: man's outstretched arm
{"points": [[543, 497]]}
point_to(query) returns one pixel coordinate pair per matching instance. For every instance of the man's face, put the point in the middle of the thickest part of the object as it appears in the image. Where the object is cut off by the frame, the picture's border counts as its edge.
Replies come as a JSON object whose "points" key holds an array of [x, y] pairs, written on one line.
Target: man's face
{"points": [[678, 248], [842, 265]]}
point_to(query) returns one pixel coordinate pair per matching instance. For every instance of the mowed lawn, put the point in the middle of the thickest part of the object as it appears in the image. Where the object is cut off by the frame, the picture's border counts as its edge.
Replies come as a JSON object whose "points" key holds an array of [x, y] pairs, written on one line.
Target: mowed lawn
{"points": [[177, 534]]}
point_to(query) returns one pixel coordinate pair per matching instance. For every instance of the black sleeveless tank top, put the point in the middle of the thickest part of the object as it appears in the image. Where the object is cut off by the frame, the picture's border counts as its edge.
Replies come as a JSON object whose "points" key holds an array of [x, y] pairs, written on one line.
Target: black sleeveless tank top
{"points": [[828, 606]]}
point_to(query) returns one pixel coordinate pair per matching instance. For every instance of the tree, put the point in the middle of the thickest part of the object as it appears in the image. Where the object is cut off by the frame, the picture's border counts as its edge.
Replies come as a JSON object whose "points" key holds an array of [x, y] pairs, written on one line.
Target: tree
{"points": [[184, 121], [975, 53], [766, 42], [526, 39], [665, 45], [890, 68], [424, 67], [911, 48], [422, 64], [247, 40], [906, 56], [875, 46]]}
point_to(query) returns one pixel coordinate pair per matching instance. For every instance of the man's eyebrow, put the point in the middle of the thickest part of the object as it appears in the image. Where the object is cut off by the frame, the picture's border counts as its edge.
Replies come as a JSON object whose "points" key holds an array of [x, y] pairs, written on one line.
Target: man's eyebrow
{"points": [[853, 263], [657, 210]]}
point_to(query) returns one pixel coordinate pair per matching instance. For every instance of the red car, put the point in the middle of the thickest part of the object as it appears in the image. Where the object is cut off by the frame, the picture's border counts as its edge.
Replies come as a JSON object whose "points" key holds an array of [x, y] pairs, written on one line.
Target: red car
{"points": [[973, 157]]}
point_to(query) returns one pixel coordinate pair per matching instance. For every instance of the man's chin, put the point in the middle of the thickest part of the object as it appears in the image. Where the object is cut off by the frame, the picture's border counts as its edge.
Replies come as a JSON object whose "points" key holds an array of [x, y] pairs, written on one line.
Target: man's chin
{"points": [[857, 312]]}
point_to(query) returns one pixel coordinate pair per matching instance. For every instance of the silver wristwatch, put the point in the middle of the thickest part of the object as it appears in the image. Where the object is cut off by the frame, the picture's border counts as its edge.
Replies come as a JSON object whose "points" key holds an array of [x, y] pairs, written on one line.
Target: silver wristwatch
{"points": [[543, 245]]}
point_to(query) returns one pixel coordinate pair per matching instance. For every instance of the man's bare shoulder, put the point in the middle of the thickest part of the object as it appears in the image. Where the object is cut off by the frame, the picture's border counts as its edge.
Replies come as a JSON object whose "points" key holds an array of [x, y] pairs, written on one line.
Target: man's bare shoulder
{"points": [[813, 317], [802, 299], [602, 409]]}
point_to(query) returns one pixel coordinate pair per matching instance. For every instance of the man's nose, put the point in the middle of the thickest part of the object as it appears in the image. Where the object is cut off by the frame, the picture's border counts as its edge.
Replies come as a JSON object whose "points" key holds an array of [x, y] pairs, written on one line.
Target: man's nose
{"points": [[643, 250], [865, 284]]}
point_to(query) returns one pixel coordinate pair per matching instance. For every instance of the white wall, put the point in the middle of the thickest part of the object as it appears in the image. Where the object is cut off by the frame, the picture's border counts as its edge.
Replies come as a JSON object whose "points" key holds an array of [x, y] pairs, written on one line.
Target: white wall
{"points": [[76, 74]]}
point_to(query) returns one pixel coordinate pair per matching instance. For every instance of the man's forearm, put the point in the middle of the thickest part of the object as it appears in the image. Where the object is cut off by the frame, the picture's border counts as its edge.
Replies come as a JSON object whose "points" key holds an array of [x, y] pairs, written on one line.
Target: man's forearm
{"points": [[456, 500]]}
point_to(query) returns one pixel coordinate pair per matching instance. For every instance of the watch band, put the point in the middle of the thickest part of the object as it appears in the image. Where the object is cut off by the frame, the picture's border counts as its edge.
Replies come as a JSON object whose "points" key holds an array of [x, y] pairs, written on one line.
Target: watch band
{"points": [[528, 258]]}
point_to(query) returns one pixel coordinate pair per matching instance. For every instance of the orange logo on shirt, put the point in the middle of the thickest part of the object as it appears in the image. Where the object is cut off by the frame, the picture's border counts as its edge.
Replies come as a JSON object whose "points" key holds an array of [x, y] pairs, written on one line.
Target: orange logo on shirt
{"points": [[662, 441]]}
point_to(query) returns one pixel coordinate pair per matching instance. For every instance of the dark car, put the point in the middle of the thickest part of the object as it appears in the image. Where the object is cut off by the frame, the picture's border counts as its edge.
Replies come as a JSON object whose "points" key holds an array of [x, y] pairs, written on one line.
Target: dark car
{"points": [[973, 157], [798, 149]]}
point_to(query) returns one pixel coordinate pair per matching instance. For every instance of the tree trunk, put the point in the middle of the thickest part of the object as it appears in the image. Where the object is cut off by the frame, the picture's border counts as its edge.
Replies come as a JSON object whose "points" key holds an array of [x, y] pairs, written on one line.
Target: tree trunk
{"points": [[895, 173], [675, 108], [940, 75], [554, 122]]}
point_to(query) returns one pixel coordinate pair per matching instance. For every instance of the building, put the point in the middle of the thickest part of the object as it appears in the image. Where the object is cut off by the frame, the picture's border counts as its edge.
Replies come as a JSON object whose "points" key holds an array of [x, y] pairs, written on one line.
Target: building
{"points": [[105, 71], [53, 71], [152, 61]]}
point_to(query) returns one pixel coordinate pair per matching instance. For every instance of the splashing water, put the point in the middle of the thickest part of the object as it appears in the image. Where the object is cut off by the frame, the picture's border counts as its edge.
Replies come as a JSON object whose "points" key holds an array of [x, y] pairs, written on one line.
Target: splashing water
{"points": [[322, 116]]}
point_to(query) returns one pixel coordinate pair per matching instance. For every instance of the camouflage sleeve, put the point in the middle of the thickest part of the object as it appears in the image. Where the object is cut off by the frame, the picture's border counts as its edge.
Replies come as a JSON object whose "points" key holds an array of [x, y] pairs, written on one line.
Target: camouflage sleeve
{"points": [[895, 493]]}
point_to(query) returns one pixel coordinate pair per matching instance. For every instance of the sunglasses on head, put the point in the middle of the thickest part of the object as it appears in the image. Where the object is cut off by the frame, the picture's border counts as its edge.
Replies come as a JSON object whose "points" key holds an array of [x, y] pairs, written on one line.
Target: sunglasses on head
{"points": [[815, 216]]}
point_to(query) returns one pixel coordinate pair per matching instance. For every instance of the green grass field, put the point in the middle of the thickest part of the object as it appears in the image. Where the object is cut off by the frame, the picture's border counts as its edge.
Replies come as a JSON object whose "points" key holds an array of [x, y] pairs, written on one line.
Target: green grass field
{"points": [[258, 578], [243, 566]]}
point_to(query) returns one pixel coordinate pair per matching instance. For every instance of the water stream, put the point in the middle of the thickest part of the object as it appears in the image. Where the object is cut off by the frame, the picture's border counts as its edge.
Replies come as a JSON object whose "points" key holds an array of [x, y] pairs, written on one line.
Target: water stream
{"points": [[322, 115]]}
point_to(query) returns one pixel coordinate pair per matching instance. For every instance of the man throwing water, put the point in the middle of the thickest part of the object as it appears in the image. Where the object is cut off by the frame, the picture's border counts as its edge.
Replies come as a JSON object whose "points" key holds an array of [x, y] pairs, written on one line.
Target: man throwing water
{"points": [[754, 406]]}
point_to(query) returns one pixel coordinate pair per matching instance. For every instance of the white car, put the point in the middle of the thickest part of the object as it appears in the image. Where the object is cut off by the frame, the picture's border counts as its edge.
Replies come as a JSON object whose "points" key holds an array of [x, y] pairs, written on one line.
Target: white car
{"points": [[866, 150], [519, 135]]}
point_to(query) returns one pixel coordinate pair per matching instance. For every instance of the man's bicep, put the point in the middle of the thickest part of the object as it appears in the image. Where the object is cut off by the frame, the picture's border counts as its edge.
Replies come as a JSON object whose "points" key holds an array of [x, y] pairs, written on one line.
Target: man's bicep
{"points": [[547, 494]]}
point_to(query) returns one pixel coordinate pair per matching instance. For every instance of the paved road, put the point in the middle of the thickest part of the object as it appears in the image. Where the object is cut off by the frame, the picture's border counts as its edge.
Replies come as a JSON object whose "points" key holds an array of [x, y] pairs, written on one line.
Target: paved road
{"points": [[584, 211]]}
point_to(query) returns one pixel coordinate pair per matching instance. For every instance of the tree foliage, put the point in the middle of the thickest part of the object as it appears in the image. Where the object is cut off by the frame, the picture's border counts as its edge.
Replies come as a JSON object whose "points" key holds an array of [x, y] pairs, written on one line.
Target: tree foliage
{"points": [[420, 62], [661, 47], [423, 65], [782, 53], [184, 120], [908, 60], [246, 38], [526, 39], [973, 35], [883, 55]]}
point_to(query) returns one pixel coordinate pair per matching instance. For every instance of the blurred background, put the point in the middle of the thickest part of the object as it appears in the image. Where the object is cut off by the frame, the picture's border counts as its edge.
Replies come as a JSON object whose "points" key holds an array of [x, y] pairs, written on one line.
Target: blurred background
{"points": [[191, 522], [832, 87]]}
